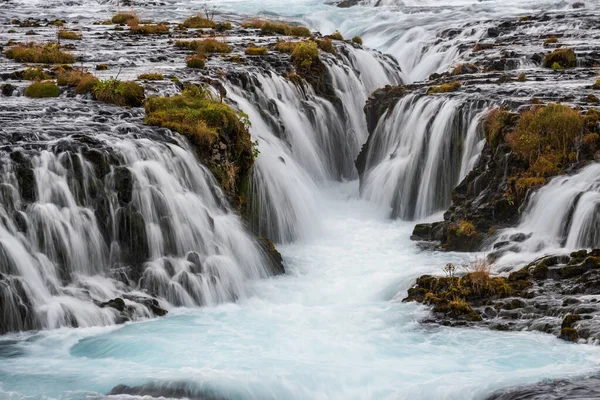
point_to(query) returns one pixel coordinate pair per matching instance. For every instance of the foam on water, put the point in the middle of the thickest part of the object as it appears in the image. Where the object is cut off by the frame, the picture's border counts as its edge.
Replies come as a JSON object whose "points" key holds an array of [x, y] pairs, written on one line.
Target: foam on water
{"points": [[333, 328]]}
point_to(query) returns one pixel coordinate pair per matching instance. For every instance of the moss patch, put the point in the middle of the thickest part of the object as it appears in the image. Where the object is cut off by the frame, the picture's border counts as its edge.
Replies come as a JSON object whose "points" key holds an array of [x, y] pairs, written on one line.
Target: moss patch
{"points": [[42, 89], [120, 93], [444, 88], [256, 51], [82, 81], [560, 58], [154, 76], [49, 53], [69, 35], [198, 22]]}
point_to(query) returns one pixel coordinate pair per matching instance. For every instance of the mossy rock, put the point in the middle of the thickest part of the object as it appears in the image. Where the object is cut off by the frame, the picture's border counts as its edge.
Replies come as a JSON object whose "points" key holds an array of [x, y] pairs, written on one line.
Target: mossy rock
{"points": [[120, 93], [563, 57], [42, 90], [570, 320], [569, 334]]}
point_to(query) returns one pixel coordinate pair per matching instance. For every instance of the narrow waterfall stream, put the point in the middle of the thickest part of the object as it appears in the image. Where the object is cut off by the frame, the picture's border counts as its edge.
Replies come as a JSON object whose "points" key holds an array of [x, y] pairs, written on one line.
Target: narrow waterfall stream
{"points": [[96, 205]]}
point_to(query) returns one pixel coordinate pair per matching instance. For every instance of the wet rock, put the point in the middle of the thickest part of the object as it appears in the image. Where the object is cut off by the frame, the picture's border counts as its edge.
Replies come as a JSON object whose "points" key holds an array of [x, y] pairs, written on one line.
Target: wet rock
{"points": [[274, 258], [172, 390]]}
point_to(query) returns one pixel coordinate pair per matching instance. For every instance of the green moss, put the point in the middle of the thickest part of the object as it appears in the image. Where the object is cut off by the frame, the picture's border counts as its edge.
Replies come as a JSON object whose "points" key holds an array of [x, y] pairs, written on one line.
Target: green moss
{"points": [[69, 35], [154, 76], [285, 47], [223, 27], [197, 22], [49, 53], [278, 28], [592, 99], [560, 58], [444, 88], [125, 17], [82, 81], [204, 46], [300, 31], [357, 40], [326, 45], [120, 93], [35, 74], [522, 77], [497, 123], [149, 29], [305, 55], [256, 51], [42, 89], [102, 67], [336, 36], [196, 61], [206, 123]]}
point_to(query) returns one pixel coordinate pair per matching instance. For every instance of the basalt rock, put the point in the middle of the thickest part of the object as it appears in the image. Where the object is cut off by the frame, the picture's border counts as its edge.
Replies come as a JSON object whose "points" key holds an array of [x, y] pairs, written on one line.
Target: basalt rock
{"points": [[554, 294]]}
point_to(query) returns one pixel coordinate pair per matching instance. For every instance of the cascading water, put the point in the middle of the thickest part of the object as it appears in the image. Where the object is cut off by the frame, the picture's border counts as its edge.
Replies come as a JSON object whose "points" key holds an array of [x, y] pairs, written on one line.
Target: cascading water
{"points": [[563, 214], [82, 224], [306, 139], [419, 151]]}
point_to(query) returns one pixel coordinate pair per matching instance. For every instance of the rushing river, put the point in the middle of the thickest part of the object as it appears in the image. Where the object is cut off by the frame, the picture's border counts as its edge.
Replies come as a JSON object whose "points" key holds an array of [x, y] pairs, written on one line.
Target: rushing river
{"points": [[334, 326]]}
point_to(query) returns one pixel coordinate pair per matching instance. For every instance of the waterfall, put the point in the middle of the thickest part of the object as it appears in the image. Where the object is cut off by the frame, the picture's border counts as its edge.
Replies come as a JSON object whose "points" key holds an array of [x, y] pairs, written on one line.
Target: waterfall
{"points": [[85, 220], [565, 213], [419, 151], [305, 139]]}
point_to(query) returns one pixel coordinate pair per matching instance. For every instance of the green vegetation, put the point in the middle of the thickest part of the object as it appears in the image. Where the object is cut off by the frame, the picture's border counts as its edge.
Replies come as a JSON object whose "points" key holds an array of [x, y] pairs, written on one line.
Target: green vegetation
{"points": [[196, 61], [125, 17], [285, 47], [69, 35], [207, 123], [42, 89], [596, 85], [336, 36], [357, 40], [82, 81], [444, 88], [496, 125], [223, 27], [277, 28], [305, 55], [49, 53], [326, 45], [197, 22], [206, 46], [102, 67], [560, 58], [256, 51], [154, 76], [149, 29], [120, 93], [522, 77], [35, 74]]}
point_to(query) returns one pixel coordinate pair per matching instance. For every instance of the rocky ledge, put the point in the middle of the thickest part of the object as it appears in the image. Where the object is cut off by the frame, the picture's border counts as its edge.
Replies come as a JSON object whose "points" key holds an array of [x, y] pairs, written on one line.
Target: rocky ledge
{"points": [[555, 294]]}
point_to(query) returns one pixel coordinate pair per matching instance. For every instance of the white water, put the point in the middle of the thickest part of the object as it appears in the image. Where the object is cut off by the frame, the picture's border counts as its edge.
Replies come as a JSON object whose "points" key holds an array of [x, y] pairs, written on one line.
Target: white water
{"points": [[332, 328], [419, 151], [561, 216]]}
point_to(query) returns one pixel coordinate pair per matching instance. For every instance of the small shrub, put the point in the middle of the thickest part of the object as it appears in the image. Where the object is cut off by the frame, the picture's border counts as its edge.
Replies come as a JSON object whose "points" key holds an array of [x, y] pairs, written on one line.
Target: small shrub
{"points": [[300, 31], [120, 93], [149, 29], [155, 76], [560, 58], [35, 74], [256, 51], [49, 53], [69, 35], [223, 27], [204, 46], [285, 47], [466, 228], [357, 40], [545, 130], [197, 22], [125, 17], [196, 61], [524, 184], [445, 88], [82, 81], [42, 90], [326, 45], [336, 36], [496, 124], [305, 55]]}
